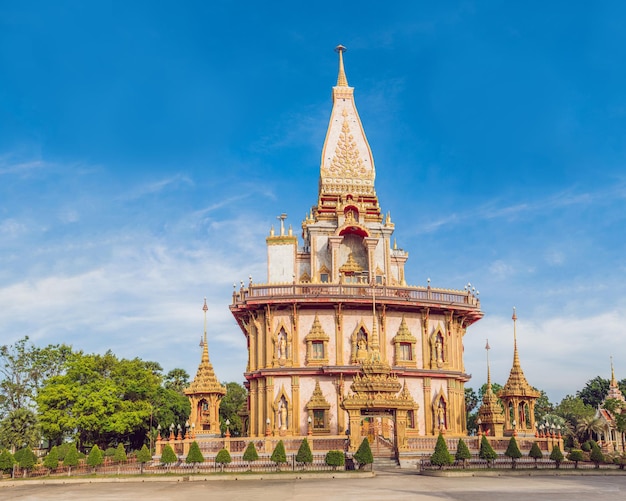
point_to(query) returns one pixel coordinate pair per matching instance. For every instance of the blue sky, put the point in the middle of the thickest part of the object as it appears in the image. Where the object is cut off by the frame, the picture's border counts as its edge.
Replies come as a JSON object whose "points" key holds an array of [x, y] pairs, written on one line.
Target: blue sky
{"points": [[147, 147]]}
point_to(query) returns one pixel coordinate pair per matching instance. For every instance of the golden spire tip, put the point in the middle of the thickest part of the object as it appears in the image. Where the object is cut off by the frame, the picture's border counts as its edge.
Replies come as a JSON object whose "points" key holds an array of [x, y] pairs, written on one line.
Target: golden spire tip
{"points": [[342, 80]]}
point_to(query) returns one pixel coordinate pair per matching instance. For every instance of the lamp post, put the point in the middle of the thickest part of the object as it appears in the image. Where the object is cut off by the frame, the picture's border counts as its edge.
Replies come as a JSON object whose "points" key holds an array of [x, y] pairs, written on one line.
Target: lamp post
{"points": [[187, 430], [193, 430], [267, 427], [172, 431], [227, 434], [158, 433], [180, 434], [536, 430], [309, 431], [480, 429], [514, 430]]}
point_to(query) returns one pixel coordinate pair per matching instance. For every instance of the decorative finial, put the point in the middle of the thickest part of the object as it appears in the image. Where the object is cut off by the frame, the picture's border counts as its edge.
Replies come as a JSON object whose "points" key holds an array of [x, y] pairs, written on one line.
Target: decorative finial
{"points": [[514, 317], [205, 307], [342, 80]]}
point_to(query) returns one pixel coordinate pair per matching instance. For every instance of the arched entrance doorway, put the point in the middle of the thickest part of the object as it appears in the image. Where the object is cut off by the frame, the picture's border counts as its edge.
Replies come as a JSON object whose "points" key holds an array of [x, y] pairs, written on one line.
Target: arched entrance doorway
{"points": [[379, 426]]}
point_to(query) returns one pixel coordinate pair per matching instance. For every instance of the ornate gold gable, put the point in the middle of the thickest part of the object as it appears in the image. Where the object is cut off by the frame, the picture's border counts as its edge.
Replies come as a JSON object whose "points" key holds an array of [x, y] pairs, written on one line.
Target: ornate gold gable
{"points": [[316, 344], [401, 339], [318, 408], [351, 266]]}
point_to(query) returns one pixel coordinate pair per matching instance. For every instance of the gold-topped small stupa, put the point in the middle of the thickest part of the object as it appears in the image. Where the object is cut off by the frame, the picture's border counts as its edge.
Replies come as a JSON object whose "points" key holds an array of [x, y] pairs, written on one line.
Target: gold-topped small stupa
{"points": [[490, 416], [205, 393], [518, 397]]}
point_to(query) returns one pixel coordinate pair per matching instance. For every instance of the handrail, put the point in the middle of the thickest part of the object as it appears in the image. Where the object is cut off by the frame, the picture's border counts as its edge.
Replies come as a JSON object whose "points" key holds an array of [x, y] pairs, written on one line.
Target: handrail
{"points": [[407, 293]]}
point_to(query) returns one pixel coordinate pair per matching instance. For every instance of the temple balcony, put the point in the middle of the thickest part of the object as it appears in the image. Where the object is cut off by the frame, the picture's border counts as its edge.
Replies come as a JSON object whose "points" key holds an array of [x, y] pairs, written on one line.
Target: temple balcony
{"points": [[404, 296]]}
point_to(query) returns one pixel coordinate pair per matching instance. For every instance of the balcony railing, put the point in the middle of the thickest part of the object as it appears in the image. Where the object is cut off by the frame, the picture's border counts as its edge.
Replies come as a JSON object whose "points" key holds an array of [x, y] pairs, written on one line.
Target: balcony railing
{"points": [[356, 292]]}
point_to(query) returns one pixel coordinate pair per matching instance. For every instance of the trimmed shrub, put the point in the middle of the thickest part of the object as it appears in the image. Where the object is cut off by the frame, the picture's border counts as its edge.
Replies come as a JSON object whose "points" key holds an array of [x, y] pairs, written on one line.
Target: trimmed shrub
{"points": [[71, 457], [7, 460], [95, 457], [576, 455], [363, 455], [168, 456], [250, 454], [557, 456], [462, 452], [26, 459], [223, 458], [109, 452], [120, 454], [278, 455], [486, 452], [51, 461], [304, 455], [535, 452], [441, 457], [195, 454], [513, 452], [596, 456], [335, 459], [143, 456]]}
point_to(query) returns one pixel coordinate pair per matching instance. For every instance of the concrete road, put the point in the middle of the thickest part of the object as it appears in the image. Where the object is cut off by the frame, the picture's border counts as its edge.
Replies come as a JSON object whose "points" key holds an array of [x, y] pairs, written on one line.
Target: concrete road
{"points": [[396, 487]]}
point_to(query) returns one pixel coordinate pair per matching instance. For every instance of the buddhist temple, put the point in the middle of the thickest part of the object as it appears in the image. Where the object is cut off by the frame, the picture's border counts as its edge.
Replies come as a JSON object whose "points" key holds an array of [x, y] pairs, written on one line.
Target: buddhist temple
{"points": [[205, 393], [338, 343], [518, 396], [612, 440]]}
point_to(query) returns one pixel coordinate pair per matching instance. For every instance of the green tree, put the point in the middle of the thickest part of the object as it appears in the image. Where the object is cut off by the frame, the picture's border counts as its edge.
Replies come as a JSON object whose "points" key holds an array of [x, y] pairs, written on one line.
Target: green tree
{"points": [[557, 456], [513, 452], [471, 400], [168, 456], [177, 380], [250, 454], [278, 454], [233, 402], [596, 455], [542, 405], [143, 457], [304, 455], [19, 429], [26, 459], [195, 456], [594, 391], [71, 457], [120, 454], [535, 453], [51, 461], [486, 452], [7, 460], [363, 454], [95, 458], [335, 459], [576, 455], [223, 458], [105, 400], [441, 457], [587, 427], [462, 452], [23, 368]]}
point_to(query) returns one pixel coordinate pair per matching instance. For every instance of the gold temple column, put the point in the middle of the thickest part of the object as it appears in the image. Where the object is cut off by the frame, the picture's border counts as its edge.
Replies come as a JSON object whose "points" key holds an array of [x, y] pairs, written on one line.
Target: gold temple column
{"points": [[401, 440], [252, 419], [260, 415], [370, 244], [269, 397], [355, 428], [334, 242], [295, 401], [338, 335], [428, 406]]}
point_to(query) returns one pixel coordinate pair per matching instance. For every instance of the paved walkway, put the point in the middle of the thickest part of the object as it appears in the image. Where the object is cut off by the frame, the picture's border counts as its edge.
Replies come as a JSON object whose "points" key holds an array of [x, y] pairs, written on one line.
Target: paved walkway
{"points": [[385, 485]]}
